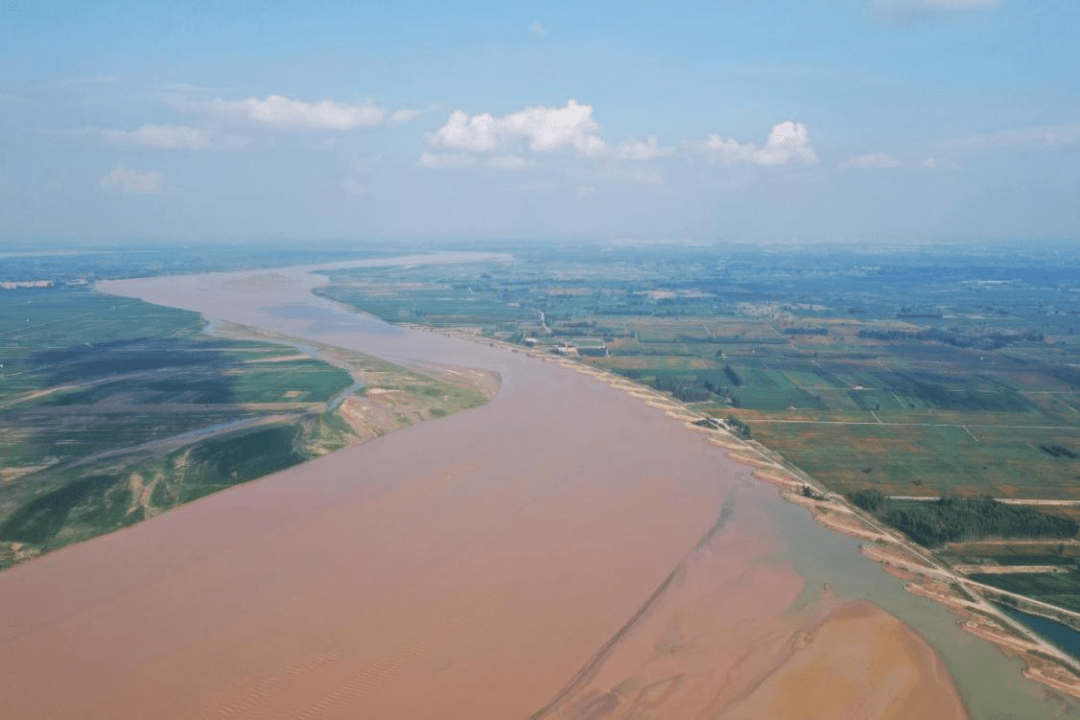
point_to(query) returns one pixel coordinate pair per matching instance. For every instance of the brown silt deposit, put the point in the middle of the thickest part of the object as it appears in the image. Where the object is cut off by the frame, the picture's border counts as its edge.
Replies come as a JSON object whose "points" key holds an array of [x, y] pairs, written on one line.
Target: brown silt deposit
{"points": [[861, 663]]}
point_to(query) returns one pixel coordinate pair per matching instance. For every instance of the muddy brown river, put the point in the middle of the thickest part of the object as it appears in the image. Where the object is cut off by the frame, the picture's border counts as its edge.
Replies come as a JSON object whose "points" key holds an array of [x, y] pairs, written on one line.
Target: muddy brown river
{"points": [[565, 551]]}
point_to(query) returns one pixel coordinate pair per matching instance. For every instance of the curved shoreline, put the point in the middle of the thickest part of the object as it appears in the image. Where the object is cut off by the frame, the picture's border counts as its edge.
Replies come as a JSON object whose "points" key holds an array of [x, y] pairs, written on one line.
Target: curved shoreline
{"points": [[1045, 663]]}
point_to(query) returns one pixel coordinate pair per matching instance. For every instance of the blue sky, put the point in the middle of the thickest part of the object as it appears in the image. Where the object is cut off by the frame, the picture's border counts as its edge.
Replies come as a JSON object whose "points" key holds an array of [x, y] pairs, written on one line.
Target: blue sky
{"points": [[857, 120]]}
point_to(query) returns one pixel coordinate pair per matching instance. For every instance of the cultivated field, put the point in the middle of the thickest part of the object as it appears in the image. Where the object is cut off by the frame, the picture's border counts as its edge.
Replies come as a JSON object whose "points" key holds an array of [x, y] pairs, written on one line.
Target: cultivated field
{"points": [[113, 410], [916, 375]]}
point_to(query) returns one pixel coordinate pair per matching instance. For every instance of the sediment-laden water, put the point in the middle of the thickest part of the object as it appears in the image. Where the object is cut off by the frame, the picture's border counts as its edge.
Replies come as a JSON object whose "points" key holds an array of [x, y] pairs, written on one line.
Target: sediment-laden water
{"points": [[563, 551]]}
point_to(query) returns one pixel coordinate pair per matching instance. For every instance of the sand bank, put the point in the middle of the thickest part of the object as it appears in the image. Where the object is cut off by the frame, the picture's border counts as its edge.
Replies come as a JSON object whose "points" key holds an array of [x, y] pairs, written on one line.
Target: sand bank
{"points": [[859, 663]]}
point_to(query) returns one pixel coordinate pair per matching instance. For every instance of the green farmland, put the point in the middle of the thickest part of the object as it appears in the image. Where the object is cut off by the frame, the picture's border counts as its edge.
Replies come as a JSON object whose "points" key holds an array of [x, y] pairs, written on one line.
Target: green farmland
{"points": [[114, 410], [911, 376]]}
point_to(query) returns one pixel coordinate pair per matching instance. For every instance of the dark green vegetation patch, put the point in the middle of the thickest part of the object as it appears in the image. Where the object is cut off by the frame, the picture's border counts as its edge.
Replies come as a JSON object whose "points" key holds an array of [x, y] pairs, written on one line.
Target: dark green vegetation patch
{"points": [[962, 519], [112, 410]]}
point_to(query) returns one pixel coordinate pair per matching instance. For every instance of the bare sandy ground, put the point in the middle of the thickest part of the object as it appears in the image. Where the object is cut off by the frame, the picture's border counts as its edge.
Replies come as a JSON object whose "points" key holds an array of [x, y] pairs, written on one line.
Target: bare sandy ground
{"points": [[861, 663], [563, 545]]}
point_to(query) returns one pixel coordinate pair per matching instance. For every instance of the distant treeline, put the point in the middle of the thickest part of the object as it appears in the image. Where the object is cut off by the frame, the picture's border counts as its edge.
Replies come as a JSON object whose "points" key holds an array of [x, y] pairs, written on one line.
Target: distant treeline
{"points": [[806, 331], [986, 341], [684, 389], [1058, 451], [959, 519]]}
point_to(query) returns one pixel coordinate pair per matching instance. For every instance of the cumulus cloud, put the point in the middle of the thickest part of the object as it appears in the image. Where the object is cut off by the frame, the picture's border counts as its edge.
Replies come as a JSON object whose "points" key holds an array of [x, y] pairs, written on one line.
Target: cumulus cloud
{"points": [[638, 150], [161, 137], [788, 142], [930, 6], [130, 180], [541, 128], [537, 129], [285, 113]]}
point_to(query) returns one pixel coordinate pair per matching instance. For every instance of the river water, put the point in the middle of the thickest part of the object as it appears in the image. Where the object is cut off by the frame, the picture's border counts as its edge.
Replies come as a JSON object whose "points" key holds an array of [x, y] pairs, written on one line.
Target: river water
{"points": [[461, 568], [1058, 634]]}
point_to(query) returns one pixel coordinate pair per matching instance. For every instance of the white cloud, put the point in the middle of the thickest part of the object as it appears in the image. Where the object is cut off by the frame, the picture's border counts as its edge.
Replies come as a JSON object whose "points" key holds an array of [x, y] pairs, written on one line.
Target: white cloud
{"points": [[438, 161], [282, 112], [1046, 136], [638, 150], [788, 142], [130, 180], [355, 187], [543, 129], [538, 30], [161, 137], [584, 191], [929, 6]]}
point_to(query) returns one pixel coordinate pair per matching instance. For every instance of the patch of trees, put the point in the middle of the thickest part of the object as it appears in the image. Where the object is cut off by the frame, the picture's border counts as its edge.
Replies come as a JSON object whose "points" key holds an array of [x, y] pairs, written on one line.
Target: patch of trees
{"points": [[1058, 451], [684, 389], [732, 375], [960, 519], [737, 426], [985, 341]]}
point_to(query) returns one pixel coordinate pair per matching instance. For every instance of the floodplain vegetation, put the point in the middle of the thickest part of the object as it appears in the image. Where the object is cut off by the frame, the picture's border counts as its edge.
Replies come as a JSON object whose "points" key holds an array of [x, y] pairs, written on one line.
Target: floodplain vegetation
{"points": [[114, 410], [947, 373]]}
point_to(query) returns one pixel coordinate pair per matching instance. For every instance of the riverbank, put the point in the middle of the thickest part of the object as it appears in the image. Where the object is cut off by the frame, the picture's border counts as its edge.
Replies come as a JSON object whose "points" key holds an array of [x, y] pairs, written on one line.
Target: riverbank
{"points": [[923, 575], [565, 543]]}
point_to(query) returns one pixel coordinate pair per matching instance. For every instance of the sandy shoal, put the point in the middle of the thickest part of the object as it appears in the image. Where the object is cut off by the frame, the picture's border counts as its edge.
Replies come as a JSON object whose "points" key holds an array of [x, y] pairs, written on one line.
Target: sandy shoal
{"points": [[859, 664]]}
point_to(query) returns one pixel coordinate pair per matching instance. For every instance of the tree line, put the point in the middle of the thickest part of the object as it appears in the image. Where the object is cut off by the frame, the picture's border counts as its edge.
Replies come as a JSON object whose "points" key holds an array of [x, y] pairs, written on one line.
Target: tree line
{"points": [[958, 519]]}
